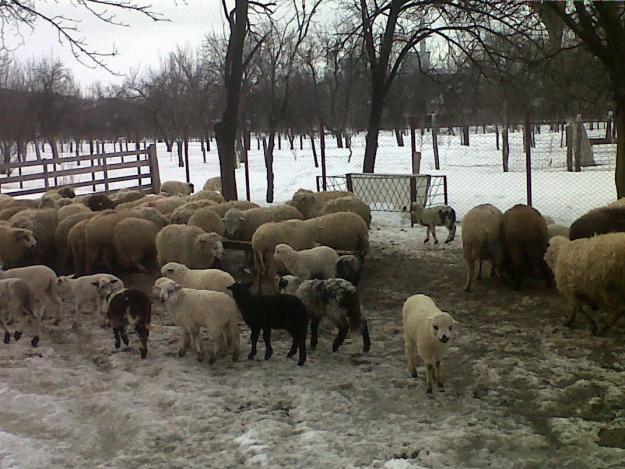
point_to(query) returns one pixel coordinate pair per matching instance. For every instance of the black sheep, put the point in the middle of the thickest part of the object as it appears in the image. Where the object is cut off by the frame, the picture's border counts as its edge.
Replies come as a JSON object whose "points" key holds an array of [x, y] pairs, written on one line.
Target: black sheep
{"points": [[130, 307], [98, 202], [269, 312], [598, 221]]}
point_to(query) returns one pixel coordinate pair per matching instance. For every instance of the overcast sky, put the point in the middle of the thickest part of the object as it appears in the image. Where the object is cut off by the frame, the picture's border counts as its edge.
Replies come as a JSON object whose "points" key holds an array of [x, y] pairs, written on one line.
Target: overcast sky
{"points": [[139, 45]]}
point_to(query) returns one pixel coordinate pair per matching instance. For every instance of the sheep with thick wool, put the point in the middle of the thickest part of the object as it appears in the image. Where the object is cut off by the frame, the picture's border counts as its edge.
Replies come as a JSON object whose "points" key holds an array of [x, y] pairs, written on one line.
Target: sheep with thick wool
{"points": [[83, 292], [17, 303], [135, 243], [349, 267], [334, 299], [191, 309], [77, 247], [150, 214], [602, 220], [146, 201], [347, 204], [126, 196], [241, 225], [198, 279], [170, 188], [207, 195], [16, 245], [590, 272], [167, 205], [188, 245], [42, 280], [208, 220], [70, 210], [555, 229], [431, 217], [481, 240], [343, 231], [318, 262], [181, 215], [213, 184], [61, 238], [42, 222], [221, 208], [100, 239], [311, 204], [427, 331]]}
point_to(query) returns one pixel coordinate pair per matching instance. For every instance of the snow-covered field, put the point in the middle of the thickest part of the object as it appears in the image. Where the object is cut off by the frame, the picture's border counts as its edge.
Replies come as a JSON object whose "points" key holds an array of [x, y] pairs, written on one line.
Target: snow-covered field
{"points": [[522, 390]]}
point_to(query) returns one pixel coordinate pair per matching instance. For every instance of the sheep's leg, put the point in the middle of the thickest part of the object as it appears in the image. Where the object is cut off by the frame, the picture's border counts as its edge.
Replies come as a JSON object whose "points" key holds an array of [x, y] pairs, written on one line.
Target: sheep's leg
{"points": [[366, 340], [267, 340], [427, 234], [293, 349], [195, 340], [470, 266], [428, 379], [571, 320], [452, 234], [57, 305], [254, 339], [302, 349], [438, 375], [36, 327], [118, 342], [122, 332], [186, 342], [434, 234], [7, 334], [614, 316], [411, 356], [143, 333], [479, 271], [340, 338], [314, 334]]}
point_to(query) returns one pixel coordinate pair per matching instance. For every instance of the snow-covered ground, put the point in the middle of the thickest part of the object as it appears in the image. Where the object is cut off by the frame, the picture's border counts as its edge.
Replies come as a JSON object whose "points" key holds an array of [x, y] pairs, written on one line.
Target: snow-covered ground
{"points": [[522, 390]]}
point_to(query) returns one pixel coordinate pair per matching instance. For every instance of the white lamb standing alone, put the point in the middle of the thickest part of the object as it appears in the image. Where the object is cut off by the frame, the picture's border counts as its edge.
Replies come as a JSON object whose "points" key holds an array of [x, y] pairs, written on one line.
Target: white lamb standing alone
{"points": [[427, 332], [83, 292], [199, 279], [318, 262]]}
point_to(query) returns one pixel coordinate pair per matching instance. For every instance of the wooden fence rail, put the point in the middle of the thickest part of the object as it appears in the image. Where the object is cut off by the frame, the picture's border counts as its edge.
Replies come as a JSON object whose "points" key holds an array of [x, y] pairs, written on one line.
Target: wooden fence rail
{"points": [[100, 168]]}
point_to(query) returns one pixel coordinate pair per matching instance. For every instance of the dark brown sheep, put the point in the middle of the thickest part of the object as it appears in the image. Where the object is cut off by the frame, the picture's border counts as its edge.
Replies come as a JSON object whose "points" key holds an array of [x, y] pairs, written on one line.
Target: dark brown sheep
{"points": [[598, 221], [98, 202], [525, 240]]}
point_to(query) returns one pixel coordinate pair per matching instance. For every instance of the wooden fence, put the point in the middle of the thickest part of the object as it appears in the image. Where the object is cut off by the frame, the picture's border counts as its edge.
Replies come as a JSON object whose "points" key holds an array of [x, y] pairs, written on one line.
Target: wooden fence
{"points": [[48, 171]]}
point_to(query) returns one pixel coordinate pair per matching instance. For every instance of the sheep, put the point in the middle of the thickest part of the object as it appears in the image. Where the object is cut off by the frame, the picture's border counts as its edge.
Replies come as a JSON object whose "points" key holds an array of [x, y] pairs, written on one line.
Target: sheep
{"points": [[207, 195], [198, 279], [170, 188], [77, 247], [188, 245], [125, 196], [129, 307], [295, 233], [221, 208], [100, 239], [7, 213], [241, 225], [590, 271], [599, 221], [181, 215], [554, 230], [168, 204], [213, 184], [135, 243], [524, 236], [208, 220], [83, 292], [151, 214], [63, 192], [142, 202], [549, 220], [42, 222], [17, 297], [344, 231], [427, 331], [481, 240], [42, 280], [16, 244], [72, 209], [311, 204], [98, 202], [335, 299], [191, 309], [349, 267], [431, 217], [318, 262], [348, 204], [61, 237], [269, 312]]}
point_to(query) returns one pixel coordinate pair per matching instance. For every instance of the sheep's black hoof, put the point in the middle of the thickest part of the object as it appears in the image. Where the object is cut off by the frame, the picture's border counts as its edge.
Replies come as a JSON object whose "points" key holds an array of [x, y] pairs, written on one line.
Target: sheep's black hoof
{"points": [[441, 387], [212, 359], [268, 355], [414, 374], [182, 352], [118, 343], [144, 353], [425, 241], [200, 357], [7, 337], [125, 339], [569, 324], [428, 390], [436, 242], [17, 335], [251, 356], [301, 362], [593, 329], [35, 341]]}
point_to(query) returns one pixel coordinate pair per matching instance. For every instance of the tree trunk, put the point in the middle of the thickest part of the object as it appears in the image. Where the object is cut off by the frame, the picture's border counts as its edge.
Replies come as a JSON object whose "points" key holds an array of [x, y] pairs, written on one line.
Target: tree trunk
{"points": [[179, 148], [55, 149], [465, 136], [169, 144], [505, 148], [268, 147], [37, 152], [203, 150], [339, 139], [399, 136], [619, 125], [497, 137], [373, 131], [314, 149]]}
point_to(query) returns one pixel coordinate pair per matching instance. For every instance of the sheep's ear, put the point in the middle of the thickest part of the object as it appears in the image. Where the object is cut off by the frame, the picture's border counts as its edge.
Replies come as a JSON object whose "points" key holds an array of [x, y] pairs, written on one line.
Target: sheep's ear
{"points": [[114, 280], [455, 322], [96, 283]]}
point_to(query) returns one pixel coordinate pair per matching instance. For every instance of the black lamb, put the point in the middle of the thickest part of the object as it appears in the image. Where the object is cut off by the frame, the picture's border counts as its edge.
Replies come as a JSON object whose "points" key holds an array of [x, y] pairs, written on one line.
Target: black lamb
{"points": [[269, 312], [130, 307]]}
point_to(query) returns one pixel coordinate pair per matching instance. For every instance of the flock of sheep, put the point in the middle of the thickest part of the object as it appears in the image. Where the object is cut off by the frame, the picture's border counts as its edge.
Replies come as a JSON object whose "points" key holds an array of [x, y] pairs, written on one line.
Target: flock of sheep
{"points": [[317, 241]]}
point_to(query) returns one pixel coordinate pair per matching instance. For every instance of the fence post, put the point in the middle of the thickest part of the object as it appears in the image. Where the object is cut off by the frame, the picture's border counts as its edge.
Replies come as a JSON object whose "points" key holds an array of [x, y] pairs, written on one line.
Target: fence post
{"points": [[45, 174], [105, 172], [93, 187], [416, 162], [348, 182], [322, 144], [528, 158], [247, 171], [569, 148], [413, 144], [156, 176], [437, 164], [445, 189]]}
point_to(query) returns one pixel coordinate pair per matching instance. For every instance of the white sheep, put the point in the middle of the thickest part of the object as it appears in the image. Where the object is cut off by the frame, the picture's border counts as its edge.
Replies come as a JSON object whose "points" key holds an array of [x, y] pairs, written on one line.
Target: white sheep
{"points": [[170, 188], [241, 224], [191, 309], [431, 217], [42, 280], [427, 331], [554, 230], [318, 262], [83, 292], [343, 231], [198, 279], [188, 245], [17, 297]]}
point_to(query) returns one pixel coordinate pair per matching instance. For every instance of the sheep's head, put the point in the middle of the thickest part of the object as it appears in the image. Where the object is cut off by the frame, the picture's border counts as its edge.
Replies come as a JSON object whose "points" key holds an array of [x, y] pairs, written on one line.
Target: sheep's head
{"points": [[24, 238], [62, 283], [233, 219], [99, 202], [288, 284], [47, 201], [107, 286], [156, 288], [240, 289], [303, 200], [191, 188], [555, 244], [441, 326], [211, 245], [172, 268], [281, 251], [24, 223], [67, 192], [416, 209], [168, 289]]}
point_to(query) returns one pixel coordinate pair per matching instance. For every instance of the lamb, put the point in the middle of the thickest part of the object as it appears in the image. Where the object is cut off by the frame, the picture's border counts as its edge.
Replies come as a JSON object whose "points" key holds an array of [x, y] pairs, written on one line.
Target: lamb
{"points": [[188, 245], [135, 243], [181, 215], [129, 307], [17, 297], [269, 312], [198, 279], [191, 309], [427, 331], [208, 220], [16, 244], [344, 231], [318, 262], [554, 230], [310, 204], [83, 292], [221, 208], [601, 220], [170, 188], [213, 184], [349, 267], [590, 271], [98, 202], [207, 195], [348, 204], [525, 238], [295, 233], [481, 240], [42, 280], [241, 225], [431, 217], [335, 299]]}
